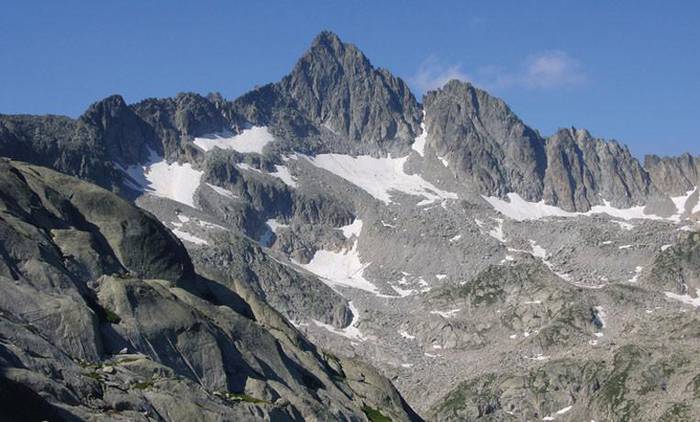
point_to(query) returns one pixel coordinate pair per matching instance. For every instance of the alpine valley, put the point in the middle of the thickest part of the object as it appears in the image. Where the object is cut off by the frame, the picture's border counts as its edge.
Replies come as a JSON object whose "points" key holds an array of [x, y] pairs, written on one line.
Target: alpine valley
{"points": [[328, 247]]}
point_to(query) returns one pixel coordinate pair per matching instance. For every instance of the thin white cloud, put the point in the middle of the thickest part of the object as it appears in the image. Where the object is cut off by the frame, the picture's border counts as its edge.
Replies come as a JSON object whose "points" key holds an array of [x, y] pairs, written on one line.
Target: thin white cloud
{"points": [[432, 74], [543, 71], [552, 69]]}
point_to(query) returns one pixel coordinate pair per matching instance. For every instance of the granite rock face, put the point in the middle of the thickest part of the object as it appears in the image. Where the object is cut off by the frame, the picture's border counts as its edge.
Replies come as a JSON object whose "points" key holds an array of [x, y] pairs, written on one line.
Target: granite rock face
{"points": [[335, 86], [495, 153], [88, 278], [366, 224], [581, 170], [675, 175], [491, 149]]}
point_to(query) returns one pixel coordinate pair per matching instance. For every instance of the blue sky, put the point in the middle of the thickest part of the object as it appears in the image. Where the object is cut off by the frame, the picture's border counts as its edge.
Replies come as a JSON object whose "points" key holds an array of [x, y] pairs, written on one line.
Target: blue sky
{"points": [[627, 70]]}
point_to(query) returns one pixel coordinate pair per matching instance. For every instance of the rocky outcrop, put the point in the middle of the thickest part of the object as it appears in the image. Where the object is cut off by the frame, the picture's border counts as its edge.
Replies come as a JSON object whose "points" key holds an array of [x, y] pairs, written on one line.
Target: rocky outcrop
{"points": [[336, 87], [583, 171], [486, 144], [88, 277], [625, 387], [673, 175], [175, 121], [491, 150]]}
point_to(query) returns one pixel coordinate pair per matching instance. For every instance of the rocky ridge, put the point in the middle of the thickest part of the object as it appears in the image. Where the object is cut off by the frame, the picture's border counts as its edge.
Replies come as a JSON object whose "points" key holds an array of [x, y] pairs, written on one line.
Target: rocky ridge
{"points": [[490, 272]]}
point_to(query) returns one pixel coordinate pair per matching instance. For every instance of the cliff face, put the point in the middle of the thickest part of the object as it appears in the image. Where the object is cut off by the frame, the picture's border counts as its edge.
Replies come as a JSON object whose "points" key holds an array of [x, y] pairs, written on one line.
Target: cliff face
{"points": [[102, 293], [333, 206]]}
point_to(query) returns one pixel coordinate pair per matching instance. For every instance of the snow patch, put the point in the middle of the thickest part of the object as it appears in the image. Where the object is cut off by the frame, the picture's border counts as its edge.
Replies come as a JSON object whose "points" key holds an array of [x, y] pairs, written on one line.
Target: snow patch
{"points": [[637, 272], [405, 334], [557, 413], [446, 314], [275, 226], [419, 143], [351, 331], [173, 181], [623, 225], [680, 201], [183, 235], [519, 209], [538, 357], [282, 173], [352, 229], [380, 176], [497, 232], [249, 140], [223, 192], [686, 298], [340, 268]]}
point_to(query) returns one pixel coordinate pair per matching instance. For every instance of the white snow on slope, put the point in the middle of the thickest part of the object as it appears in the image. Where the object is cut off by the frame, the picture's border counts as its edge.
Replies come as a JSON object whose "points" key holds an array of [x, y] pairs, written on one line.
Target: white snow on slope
{"points": [[540, 252], [497, 232], [352, 229], [519, 209], [404, 334], [419, 143], [249, 140], [557, 413], [680, 201], [248, 167], [687, 299], [274, 225], [380, 176], [446, 314], [696, 208], [223, 192], [637, 272], [183, 235], [283, 174], [341, 268], [623, 225], [173, 181], [189, 237], [351, 331]]}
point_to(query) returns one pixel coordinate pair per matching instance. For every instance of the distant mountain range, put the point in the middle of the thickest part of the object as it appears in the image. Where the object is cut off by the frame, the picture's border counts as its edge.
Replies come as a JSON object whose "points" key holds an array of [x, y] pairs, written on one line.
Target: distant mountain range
{"points": [[197, 258]]}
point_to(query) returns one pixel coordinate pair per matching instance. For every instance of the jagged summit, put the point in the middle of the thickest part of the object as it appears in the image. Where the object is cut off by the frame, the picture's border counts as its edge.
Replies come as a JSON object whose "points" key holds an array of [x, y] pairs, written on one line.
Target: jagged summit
{"points": [[336, 86], [335, 100]]}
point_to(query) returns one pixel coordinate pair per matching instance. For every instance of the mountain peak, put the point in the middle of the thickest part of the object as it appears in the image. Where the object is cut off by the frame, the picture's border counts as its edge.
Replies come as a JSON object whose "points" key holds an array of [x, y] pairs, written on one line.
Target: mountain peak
{"points": [[328, 49], [326, 38], [336, 86]]}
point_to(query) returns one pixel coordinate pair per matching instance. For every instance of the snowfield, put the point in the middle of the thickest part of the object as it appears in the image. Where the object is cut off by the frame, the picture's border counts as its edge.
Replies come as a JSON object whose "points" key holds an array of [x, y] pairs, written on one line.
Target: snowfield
{"points": [[173, 181], [223, 192], [380, 176], [284, 175], [687, 299], [342, 268], [419, 144], [249, 140], [519, 209]]}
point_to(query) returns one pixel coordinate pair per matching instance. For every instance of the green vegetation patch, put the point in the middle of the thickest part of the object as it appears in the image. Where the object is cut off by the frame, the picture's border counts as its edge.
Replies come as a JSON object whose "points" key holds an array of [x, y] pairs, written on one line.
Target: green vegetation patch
{"points": [[375, 415]]}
